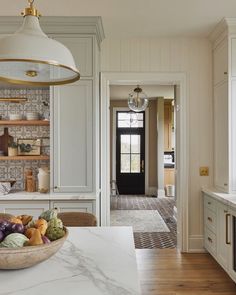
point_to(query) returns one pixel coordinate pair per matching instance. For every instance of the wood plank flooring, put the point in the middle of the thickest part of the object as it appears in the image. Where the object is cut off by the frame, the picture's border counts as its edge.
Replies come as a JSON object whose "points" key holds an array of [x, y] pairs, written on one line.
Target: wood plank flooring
{"points": [[168, 272]]}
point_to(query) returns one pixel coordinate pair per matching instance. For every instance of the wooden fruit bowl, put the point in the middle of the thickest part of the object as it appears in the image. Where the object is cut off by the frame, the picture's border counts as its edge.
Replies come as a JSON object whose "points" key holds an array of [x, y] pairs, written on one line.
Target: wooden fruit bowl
{"points": [[17, 258]]}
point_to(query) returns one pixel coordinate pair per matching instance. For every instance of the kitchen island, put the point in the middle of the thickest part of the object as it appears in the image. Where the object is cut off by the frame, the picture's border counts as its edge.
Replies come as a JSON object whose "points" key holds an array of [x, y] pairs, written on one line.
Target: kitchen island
{"points": [[93, 261]]}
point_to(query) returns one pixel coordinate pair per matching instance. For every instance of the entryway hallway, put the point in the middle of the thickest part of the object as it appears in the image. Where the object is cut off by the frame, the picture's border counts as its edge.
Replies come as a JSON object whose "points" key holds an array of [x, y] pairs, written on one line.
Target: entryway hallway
{"points": [[150, 210]]}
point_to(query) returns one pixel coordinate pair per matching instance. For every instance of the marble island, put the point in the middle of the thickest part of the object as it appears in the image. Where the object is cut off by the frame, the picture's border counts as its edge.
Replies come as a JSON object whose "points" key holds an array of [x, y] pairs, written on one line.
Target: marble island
{"points": [[93, 261]]}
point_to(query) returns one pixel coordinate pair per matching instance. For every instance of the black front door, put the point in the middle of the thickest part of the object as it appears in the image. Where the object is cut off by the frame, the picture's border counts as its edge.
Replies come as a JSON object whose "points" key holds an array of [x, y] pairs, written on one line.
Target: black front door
{"points": [[130, 152]]}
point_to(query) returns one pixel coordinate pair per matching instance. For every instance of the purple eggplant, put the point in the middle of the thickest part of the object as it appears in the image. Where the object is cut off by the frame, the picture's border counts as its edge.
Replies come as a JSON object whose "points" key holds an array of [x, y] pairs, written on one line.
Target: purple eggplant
{"points": [[3, 224], [2, 236], [45, 240], [17, 228]]}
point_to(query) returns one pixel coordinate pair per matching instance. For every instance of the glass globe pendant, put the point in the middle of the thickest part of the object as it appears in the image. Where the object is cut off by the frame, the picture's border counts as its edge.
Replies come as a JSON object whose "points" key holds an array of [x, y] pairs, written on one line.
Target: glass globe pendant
{"points": [[138, 100], [29, 57]]}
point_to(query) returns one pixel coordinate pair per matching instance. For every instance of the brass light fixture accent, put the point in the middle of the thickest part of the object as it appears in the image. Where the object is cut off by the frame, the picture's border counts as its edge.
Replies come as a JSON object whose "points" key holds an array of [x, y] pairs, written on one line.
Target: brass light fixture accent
{"points": [[22, 60], [31, 73]]}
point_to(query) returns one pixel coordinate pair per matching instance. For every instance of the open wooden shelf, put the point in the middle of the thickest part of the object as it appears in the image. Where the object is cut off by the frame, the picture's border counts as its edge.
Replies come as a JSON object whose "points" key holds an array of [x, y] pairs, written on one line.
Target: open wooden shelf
{"points": [[24, 122], [19, 158]]}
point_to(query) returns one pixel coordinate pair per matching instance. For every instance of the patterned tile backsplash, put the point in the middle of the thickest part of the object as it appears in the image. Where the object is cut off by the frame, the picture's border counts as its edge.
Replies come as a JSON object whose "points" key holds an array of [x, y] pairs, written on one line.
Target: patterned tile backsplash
{"points": [[37, 101]]}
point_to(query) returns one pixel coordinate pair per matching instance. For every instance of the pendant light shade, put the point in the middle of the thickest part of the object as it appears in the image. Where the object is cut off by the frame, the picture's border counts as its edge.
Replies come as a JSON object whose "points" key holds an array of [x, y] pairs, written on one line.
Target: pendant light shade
{"points": [[138, 100], [29, 57]]}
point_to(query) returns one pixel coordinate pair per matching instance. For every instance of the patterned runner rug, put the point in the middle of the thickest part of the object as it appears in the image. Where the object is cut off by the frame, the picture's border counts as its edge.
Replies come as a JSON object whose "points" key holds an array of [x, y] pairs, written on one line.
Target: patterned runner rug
{"points": [[140, 220]]}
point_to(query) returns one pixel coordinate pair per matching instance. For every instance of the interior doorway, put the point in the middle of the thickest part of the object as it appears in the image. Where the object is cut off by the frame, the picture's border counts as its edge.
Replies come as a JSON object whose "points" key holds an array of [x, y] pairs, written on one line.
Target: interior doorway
{"points": [[118, 78]]}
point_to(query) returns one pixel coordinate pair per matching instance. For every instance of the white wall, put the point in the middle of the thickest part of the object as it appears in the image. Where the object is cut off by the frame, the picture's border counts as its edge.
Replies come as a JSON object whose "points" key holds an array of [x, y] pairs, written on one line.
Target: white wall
{"points": [[193, 56]]}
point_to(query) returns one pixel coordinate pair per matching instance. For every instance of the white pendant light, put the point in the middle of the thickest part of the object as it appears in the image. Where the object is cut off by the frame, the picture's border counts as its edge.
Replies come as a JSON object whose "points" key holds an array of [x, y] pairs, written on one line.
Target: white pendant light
{"points": [[29, 57], [138, 100]]}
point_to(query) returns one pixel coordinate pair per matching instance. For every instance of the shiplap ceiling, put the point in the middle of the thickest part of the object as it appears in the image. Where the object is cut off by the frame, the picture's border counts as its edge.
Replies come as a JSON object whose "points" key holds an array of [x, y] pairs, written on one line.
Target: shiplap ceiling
{"points": [[138, 18]]}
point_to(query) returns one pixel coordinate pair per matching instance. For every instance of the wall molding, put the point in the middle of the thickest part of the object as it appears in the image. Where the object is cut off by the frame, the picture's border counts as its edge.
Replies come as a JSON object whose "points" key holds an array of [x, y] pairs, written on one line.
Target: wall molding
{"points": [[196, 244]]}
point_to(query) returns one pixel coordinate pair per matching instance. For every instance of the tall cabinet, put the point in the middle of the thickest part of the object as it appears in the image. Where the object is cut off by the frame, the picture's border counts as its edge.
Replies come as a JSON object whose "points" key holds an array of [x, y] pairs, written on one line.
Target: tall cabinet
{"points": [[75, 108], [224, 101]]}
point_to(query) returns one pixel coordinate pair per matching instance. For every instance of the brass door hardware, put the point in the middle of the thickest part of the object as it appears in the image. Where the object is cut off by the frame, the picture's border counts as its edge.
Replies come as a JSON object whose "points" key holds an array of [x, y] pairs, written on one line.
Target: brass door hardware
{"points": [[227, 229]]}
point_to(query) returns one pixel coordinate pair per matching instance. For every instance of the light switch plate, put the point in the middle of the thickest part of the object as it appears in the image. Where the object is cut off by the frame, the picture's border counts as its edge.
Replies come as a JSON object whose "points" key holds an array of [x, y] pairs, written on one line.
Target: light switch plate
{"points": [[204, 171]]}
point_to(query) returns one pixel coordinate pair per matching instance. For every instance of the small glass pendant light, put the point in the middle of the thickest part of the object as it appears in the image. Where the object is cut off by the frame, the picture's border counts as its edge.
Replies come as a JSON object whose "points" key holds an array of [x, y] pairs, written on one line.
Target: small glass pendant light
{"points": [[29, 57], [138, 100]]}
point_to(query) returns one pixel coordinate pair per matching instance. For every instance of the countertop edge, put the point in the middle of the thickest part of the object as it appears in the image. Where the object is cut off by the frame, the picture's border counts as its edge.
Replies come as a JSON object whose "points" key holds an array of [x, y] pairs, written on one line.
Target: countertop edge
{"points": [[228, 199]]}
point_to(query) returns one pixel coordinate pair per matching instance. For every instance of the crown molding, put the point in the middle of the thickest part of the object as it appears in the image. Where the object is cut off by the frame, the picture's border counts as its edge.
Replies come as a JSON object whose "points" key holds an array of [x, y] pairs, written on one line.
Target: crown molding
{"points": [[59, 25]]}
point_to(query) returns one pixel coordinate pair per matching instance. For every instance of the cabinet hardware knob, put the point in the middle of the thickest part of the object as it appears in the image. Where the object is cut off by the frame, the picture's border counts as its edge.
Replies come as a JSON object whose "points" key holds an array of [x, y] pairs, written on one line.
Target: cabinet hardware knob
{"points": [[209, 239], [209, 203], [55, 187], [209, 218], [225, 73]]}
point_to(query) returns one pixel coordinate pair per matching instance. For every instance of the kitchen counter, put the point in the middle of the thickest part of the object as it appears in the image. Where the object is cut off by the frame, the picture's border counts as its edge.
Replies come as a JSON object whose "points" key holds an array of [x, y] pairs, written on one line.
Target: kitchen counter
{"points": [[227, 199], [93, 261], [25, 196]]}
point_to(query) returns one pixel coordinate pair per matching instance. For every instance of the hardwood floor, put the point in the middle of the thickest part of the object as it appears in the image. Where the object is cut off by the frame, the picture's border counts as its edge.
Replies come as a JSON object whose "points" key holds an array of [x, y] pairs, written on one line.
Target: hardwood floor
{"points": [[168, 272]]}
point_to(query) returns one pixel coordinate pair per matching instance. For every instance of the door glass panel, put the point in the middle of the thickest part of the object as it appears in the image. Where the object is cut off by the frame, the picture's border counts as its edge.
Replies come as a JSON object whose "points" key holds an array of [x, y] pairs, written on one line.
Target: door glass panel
{"points": [[135, 163], [125, 163], [130, 120], [125, 143], [124, 116], [124, 124], [135, 144]]}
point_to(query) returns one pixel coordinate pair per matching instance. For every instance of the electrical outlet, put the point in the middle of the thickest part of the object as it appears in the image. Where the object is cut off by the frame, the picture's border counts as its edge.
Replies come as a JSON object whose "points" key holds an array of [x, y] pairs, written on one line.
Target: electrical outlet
{"points": [[204, 171]]}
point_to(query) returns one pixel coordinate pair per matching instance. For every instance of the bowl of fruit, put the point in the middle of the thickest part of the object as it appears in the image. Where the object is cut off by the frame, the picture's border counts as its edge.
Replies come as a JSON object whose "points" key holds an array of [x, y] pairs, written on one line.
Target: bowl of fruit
{"points": [[25, 242]]}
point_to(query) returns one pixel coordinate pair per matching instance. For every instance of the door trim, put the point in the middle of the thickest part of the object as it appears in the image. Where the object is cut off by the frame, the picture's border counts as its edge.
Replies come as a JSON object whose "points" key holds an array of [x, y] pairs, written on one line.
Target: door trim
{"points": [[114, 111], [151, 78]]}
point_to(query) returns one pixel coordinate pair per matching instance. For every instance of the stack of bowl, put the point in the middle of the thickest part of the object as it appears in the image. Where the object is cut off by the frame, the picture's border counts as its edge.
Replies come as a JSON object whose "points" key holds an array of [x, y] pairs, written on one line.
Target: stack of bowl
{"points": [[32, 116], [15, 117]]}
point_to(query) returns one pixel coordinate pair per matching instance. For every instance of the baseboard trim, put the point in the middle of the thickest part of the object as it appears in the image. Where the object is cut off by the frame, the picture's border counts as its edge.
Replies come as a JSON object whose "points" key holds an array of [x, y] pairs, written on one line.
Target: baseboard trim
{"points": [[152, 190], [196, 244], [161, 193]]}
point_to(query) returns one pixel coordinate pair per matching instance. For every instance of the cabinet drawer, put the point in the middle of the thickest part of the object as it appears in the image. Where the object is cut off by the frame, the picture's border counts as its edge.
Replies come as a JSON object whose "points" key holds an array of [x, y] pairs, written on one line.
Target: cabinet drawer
{"points": [[210, 203], [68, 206], [34, 208], [210, 241], [210, 219]]}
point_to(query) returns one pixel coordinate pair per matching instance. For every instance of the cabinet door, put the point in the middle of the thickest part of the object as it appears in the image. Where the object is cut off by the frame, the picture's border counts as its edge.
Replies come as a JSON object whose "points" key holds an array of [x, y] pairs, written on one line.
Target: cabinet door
{"points": [[82, 51], [72, 206], [223, 235], [34, 208], [221, 173], [220, 61], [73, 137]]}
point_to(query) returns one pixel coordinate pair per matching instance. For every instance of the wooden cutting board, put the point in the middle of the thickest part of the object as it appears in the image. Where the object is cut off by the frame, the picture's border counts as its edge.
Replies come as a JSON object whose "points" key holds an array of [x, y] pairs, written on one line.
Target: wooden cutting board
{"points": [[5, 139]]}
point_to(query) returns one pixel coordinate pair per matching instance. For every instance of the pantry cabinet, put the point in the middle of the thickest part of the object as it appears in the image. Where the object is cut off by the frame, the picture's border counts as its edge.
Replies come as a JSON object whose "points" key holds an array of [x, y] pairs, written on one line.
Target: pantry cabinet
{"points": [[75, 112], [224, 80], [73, 137]]}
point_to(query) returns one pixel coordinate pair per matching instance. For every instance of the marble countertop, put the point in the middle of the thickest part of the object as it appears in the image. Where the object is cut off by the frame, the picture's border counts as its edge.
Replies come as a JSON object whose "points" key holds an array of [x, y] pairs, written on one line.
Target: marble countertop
{"points": [[25, 196], [228, 199], [93, 261]]}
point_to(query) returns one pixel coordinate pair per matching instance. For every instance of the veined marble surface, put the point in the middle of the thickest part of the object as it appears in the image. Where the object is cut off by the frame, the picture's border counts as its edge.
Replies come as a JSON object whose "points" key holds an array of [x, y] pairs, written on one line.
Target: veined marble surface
{"points": [[227, 199], [93, 261], [24, 196]]}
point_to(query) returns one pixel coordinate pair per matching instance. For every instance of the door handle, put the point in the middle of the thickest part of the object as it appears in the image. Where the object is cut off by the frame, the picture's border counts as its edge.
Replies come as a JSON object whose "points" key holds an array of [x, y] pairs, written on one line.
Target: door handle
{"points": [[142, 166], [227, 228]]}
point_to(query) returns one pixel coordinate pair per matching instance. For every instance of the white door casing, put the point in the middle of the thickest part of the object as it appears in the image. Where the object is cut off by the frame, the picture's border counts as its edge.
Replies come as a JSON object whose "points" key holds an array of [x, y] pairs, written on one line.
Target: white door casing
{"points": [[154, 78]]}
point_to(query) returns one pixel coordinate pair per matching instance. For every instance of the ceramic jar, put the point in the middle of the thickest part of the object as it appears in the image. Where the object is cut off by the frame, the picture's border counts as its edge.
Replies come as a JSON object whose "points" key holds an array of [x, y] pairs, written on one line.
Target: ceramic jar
{"points": [[44, 180]]}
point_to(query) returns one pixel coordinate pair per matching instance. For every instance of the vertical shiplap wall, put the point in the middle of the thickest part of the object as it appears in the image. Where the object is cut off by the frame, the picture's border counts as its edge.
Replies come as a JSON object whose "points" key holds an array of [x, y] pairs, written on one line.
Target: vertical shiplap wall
{"points": [[194, 57]]}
